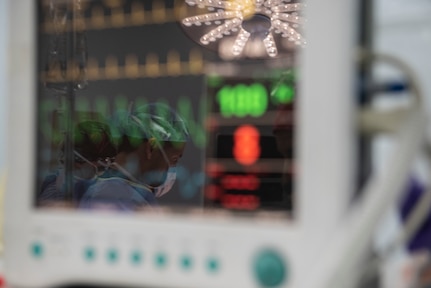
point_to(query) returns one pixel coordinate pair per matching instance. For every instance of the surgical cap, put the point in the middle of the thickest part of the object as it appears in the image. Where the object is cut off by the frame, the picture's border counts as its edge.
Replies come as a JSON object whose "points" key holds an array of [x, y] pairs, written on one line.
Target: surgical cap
{"points": [[92, 139], [164, 123], [154, 120]]}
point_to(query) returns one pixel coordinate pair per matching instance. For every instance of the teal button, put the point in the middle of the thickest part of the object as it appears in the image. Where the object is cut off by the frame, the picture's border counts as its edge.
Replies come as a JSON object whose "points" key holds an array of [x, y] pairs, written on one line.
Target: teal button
{"points": [[213, 265], [37, 250], [112, 256], [161, 260], [186, 262], [89, 254], [136, 257], [270, 269]]}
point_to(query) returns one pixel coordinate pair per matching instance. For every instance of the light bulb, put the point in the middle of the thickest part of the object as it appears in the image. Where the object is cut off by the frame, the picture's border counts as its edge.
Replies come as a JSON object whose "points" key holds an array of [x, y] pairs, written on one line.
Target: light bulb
{"points": [[240, 42]]}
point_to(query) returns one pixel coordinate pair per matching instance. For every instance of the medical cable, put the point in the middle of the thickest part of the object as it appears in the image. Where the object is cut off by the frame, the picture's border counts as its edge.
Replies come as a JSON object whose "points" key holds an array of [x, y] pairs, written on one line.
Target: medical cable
{"points": [[376, 122]]}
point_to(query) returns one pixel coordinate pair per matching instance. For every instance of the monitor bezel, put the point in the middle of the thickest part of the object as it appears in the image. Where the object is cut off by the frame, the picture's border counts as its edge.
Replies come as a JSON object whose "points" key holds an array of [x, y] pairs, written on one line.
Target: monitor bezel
{"points": [[318, 212]]}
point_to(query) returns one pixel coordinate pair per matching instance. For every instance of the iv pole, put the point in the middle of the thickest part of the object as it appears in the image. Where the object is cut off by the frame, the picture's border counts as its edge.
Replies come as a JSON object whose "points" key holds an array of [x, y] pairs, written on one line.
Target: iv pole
{"points": [[68, 56]]}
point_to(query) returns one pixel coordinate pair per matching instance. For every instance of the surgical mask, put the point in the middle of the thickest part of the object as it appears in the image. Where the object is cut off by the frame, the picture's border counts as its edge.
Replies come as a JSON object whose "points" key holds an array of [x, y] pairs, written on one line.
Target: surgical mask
{"points": [[85, 172], [158, 190], [171, 173], [171, 176], [167, 185]]}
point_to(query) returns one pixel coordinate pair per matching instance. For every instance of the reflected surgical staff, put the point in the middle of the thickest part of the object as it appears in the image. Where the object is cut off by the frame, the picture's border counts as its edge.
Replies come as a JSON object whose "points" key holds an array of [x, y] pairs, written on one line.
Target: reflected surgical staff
{"points": [[151, 141], [93, 142]]}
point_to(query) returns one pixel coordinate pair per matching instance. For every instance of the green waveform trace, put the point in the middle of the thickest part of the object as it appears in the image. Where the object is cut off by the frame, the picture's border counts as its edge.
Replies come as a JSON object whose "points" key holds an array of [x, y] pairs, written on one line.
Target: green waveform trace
{"points": [[51, 122]]}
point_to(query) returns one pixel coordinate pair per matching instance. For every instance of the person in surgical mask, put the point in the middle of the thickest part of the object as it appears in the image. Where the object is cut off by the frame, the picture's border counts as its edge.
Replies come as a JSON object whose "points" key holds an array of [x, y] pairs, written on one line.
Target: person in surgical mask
{"points": [[151, 140], [92, 145]]}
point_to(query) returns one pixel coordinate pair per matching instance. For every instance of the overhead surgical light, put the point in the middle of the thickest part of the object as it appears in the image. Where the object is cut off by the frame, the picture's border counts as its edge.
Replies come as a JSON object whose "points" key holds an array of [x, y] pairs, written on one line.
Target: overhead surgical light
{"points": [[248, 21]]}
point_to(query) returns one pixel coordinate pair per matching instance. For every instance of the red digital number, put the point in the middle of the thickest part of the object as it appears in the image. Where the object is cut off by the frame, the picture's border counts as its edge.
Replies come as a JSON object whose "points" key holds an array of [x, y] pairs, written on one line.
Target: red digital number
{"points": [[246, 148]]}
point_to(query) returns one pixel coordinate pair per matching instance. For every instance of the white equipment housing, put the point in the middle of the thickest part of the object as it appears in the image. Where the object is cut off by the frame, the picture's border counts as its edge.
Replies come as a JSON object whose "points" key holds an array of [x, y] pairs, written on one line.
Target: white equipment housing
{"points": [[325, 185]]}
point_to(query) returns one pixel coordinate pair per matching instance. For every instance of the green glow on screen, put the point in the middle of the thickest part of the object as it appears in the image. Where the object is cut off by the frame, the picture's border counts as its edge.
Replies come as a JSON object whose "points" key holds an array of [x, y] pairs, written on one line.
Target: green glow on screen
{"points": [[242, 100], [214, 81], [101, 105], [283, 94]]}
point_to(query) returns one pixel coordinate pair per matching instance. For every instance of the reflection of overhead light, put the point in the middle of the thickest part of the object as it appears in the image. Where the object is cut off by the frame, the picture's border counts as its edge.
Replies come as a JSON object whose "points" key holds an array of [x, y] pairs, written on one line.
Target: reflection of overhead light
{"points": [[249, 20], [255, 49]]}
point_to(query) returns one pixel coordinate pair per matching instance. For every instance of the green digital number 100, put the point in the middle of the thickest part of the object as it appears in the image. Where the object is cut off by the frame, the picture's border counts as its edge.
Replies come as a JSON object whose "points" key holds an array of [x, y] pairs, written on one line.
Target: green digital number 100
{"points": [[242, 100]]}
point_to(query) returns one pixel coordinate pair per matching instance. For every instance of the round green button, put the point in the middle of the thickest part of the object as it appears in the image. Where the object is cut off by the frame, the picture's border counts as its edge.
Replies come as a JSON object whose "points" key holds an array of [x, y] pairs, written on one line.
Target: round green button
{"points": [[161, 260], [37, 250], [112, 255], [186, 262], [213, 265], [269, 269], [89, 254], [136, 257]]}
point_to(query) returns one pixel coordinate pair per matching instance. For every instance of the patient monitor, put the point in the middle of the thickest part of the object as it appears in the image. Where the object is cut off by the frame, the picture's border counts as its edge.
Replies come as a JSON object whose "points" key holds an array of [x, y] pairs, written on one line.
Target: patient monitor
{"points": [[269, 172]]}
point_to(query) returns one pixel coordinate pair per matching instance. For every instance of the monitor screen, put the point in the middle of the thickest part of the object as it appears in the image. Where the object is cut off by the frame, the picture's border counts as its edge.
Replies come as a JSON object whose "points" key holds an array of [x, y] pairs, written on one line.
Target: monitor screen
{"points": [[250, 153], [166, 106]]}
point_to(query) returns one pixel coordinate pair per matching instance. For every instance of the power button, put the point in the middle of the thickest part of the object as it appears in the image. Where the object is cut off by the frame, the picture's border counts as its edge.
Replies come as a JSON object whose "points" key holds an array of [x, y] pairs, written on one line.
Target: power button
{"points": [[269, 268]]}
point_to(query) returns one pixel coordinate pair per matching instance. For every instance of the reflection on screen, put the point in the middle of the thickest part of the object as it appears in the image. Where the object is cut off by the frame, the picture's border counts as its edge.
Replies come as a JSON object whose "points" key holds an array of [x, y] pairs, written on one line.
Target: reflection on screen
{"points": [[129, 120]]}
